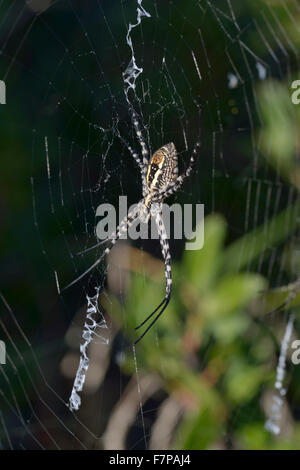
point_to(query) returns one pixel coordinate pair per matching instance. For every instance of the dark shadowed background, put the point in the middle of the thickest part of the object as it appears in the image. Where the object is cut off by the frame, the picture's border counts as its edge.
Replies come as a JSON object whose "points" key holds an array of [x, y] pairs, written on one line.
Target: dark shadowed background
{"points": [[204, 377]]}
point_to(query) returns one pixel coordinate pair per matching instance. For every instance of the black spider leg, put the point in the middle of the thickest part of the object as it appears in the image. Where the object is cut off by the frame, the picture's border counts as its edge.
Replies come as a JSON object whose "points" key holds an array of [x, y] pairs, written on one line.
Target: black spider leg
{"points": [[164, 305], [126, 222], [168, 275]]}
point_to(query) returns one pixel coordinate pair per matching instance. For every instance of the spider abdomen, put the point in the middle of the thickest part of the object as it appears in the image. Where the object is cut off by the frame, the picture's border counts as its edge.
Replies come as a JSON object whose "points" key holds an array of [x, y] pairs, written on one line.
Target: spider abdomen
{"points": [[162, 168]]}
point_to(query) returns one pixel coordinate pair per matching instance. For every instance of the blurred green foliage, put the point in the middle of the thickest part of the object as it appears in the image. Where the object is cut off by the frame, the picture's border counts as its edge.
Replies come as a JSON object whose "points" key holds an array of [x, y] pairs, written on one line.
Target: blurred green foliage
{"points": [[213, 355], [280, 133]]}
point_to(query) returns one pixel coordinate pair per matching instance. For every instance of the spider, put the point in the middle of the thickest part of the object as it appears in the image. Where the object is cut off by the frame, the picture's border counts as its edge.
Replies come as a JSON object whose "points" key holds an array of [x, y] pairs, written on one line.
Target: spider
{"points": [[159, 180]]}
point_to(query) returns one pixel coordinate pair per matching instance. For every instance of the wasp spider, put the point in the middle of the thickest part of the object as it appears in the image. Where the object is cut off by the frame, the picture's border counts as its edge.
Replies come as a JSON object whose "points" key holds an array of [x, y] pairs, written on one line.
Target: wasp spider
{"points": [[159, 180]]}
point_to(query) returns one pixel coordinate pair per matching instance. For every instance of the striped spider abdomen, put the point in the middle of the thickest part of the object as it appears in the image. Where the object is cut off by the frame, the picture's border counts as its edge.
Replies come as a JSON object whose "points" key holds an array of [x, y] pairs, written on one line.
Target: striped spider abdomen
{"points": [[162, 168]]}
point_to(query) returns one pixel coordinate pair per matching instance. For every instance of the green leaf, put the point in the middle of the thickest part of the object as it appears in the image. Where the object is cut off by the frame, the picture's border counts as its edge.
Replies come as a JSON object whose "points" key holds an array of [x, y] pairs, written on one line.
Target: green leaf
{"points": [[245, 250], [243, 381], [200, 430], [200, 267]]}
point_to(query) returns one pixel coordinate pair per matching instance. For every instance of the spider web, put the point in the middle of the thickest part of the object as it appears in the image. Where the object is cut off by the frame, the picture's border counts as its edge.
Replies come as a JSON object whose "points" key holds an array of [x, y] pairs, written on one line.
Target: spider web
{"points": [[71, 71]]}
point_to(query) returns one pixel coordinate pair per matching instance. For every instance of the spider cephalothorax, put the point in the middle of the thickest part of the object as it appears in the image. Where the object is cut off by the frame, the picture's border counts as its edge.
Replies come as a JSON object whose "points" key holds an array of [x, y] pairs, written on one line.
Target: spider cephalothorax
{"points": [[159, 180]]}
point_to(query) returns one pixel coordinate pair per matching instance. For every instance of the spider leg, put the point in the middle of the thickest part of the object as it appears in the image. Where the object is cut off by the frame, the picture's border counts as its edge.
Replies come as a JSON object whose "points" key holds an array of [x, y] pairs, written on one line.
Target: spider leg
{"points": [[126, 222], [168, 276], [133, 153], [189, 169], [122, 226], [151, 314], [87, 271], [138, 161], [166, 301], [92, 247], [162, 194], [145, 151], [177, 183]]}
